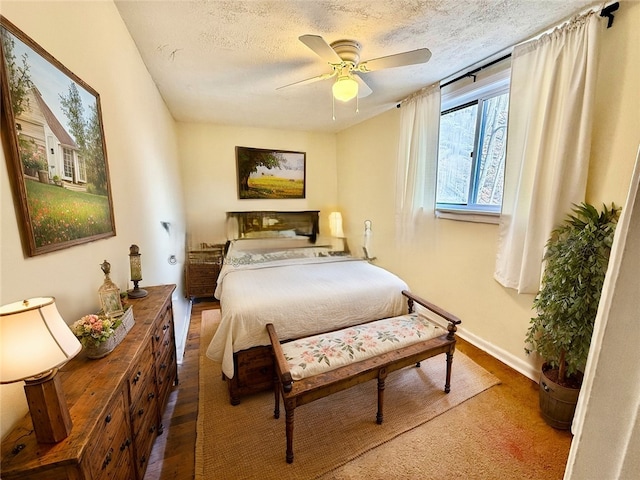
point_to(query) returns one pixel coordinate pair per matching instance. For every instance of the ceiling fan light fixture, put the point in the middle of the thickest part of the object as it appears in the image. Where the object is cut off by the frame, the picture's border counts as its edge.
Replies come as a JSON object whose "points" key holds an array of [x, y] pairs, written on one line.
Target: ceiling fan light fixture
{"points": [[345, 88]]}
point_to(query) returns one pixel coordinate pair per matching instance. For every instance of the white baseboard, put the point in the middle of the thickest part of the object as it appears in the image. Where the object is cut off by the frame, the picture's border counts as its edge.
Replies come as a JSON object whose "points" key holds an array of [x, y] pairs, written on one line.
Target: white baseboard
{"points": [[525, 368], [181, 337], [529, 370]]}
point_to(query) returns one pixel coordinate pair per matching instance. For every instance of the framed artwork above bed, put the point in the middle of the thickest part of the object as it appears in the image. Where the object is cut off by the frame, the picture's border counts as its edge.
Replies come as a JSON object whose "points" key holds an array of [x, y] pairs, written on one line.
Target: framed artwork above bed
{"points": [[271, 174]]}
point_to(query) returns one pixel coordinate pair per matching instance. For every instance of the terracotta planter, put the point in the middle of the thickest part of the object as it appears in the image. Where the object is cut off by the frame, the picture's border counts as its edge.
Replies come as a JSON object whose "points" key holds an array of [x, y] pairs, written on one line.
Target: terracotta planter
{"points": [[557, 403]]}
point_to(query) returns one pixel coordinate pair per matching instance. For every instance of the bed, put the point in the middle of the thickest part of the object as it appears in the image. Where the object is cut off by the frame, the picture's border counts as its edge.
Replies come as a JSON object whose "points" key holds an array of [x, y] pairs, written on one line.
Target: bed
{"points": [[278, 269]]}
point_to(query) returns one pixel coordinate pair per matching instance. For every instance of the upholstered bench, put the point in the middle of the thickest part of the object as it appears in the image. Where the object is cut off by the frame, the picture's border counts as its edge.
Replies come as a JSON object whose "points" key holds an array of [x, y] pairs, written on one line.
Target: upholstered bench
{"points": [[311, 368]]}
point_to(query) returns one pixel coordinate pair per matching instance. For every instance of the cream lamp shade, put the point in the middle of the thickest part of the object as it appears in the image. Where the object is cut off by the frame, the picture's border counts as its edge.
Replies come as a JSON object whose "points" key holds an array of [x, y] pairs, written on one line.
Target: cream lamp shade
{"points": [[345, 88], [34, 339], [335, 224]]}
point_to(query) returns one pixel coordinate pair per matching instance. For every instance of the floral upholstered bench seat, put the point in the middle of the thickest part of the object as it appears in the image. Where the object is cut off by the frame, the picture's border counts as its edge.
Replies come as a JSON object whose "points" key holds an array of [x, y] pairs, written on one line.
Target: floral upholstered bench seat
{"points": [[314, 367], [321, 353]]}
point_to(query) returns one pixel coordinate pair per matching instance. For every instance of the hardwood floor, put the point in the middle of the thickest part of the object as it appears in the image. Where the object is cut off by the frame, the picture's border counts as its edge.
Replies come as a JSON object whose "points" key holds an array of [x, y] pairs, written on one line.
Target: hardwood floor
{"points": [[173, 454]]}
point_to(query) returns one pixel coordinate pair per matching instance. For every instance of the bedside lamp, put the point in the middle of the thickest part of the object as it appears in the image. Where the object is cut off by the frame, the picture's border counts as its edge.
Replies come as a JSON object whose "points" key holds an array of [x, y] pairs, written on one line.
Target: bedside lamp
{"points": [[34, 342], [335, 224]]}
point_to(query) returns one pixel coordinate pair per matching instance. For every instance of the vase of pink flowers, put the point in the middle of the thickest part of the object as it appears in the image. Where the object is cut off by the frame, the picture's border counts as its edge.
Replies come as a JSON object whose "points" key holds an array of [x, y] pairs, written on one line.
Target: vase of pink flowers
{"points": [[100, 334]]}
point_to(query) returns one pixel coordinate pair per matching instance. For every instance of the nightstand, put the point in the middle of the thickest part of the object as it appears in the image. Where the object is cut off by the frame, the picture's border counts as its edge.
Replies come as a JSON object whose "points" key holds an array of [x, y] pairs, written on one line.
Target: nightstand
{"points": [[202, 270]]}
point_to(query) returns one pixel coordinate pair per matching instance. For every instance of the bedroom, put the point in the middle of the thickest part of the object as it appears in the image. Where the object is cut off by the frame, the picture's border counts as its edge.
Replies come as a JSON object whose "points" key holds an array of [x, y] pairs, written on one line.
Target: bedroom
{"points": [[162, 170]]}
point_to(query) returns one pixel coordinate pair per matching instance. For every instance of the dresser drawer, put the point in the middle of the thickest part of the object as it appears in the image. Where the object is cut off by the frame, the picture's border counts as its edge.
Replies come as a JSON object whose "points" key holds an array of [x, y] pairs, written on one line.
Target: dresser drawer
{"points": [[114, 441], [205, 270], [143, 439], [202, 291], [142, 376], [166, 373], [145, 407], [163, 338]]}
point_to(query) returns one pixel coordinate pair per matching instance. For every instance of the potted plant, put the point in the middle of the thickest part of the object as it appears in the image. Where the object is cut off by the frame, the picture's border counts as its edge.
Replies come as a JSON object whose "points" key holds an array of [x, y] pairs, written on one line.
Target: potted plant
{"points": [[31, 158], [99, 334], [576, 262]]}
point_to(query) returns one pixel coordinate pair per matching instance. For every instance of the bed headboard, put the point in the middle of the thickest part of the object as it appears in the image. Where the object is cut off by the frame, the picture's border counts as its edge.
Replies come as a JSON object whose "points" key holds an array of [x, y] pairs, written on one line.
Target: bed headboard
{"points": [[255, 223]]}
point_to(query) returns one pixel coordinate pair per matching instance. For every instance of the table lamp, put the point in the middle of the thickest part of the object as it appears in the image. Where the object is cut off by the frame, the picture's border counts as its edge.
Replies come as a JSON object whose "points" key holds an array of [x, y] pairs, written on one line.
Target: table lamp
{"points": [[335, 224], [34, 342]]}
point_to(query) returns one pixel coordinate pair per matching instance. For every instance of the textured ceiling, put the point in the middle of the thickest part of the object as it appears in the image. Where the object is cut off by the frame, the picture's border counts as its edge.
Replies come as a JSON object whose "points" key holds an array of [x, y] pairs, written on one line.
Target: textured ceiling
{"points": [[221, 62]]}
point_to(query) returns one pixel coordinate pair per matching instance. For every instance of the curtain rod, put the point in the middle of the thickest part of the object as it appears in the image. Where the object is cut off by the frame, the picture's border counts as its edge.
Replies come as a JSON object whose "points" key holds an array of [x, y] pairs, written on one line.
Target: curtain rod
{"points": [[606, 11], [472, 73]]}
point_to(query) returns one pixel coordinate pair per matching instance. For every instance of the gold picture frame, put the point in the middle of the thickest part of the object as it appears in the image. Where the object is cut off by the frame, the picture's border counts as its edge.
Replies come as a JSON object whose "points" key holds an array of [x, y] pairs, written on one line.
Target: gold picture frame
{"points": [[110, 302], [270, 173]]}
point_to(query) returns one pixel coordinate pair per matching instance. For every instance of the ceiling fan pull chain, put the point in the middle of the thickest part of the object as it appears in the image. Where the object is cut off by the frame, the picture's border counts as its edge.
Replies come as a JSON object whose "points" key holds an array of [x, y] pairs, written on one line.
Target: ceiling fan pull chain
{"points": [[333, 107], [357, 104]]}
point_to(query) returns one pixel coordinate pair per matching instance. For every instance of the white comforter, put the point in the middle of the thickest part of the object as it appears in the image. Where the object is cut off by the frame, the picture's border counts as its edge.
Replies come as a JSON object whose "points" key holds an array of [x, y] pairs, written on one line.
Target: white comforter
{"points": [[300, 296]]}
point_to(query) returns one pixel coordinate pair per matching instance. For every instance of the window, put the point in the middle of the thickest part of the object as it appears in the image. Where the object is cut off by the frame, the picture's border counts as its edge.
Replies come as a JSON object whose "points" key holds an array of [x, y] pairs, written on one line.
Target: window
{"points": [[67, 155], [472, 147]]}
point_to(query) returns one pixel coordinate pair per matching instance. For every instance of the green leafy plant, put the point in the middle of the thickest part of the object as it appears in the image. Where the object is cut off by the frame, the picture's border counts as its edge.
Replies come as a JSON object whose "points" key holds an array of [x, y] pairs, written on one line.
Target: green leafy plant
{"points": [[31, 157], [576, 262]]}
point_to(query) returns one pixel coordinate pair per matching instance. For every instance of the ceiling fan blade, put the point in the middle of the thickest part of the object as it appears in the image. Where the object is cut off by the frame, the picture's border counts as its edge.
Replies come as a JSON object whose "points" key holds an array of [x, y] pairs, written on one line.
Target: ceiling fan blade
{"points": [[363, 89], [422, 55], [321, 48], [324, 76]]}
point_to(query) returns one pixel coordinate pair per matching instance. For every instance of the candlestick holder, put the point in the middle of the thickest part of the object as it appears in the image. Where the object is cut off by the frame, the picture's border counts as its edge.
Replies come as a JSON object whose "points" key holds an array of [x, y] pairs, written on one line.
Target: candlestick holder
{"points": [[136, 273]]}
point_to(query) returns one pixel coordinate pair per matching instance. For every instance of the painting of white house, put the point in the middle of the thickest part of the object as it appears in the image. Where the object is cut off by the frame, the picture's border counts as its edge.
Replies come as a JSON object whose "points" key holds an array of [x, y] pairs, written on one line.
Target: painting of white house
{"points": [[61, 162]]}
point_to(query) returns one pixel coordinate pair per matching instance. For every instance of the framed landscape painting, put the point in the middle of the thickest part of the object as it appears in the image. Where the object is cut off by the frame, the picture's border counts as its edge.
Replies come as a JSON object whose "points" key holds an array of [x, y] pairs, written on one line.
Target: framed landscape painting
{"points": [[264, 173], [56, 154]]}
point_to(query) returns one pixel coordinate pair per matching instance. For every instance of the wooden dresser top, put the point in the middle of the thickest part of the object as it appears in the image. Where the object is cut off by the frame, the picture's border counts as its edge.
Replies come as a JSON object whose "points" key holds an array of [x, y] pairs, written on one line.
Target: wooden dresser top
{"points": [[88, 385]]}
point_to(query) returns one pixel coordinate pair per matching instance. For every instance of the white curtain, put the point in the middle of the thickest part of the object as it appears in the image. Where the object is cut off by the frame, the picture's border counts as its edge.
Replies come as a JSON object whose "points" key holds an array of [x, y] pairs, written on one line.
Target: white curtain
{"points": [[550, 116], [417, 159], [608, 411]]}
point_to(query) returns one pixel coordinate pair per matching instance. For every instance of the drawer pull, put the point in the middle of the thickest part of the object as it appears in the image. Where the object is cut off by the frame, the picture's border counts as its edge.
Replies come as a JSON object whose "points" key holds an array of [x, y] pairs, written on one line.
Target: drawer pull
{"points": [[107, 419], [107, 459], [125, 445], [141, 412], [166, 343], [163, 366], [152, 428], [143, 459], [165, 327], [151, 396], [136, 379], [157, 337]]}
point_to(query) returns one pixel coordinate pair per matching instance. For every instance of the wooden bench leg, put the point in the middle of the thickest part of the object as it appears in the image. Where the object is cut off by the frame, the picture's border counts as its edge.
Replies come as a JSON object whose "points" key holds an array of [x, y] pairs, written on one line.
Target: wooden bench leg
{"points": [[447, 383], [382, 375], [289, 429], [276, 394]]}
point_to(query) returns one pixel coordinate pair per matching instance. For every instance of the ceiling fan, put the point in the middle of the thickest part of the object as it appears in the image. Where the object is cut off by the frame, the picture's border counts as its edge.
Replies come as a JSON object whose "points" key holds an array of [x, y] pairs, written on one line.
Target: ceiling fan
{"points": [[343, 56]]}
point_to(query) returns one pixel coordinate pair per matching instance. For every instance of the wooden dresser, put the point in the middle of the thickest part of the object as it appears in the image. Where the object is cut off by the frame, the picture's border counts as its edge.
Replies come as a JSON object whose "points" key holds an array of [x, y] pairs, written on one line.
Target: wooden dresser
{"points": [[116, 405], [202, 270]]}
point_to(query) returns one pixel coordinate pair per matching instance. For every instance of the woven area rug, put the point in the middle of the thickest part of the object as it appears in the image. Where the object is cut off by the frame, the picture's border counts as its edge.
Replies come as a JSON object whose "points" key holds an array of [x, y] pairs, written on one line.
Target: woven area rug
{"points": [[245, 441]]}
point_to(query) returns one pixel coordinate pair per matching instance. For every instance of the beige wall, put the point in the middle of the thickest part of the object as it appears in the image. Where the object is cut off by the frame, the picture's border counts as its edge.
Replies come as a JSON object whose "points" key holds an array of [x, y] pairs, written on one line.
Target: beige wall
{"points": [[142, 155], [355, 170], [452, 263], [208, 162]]}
